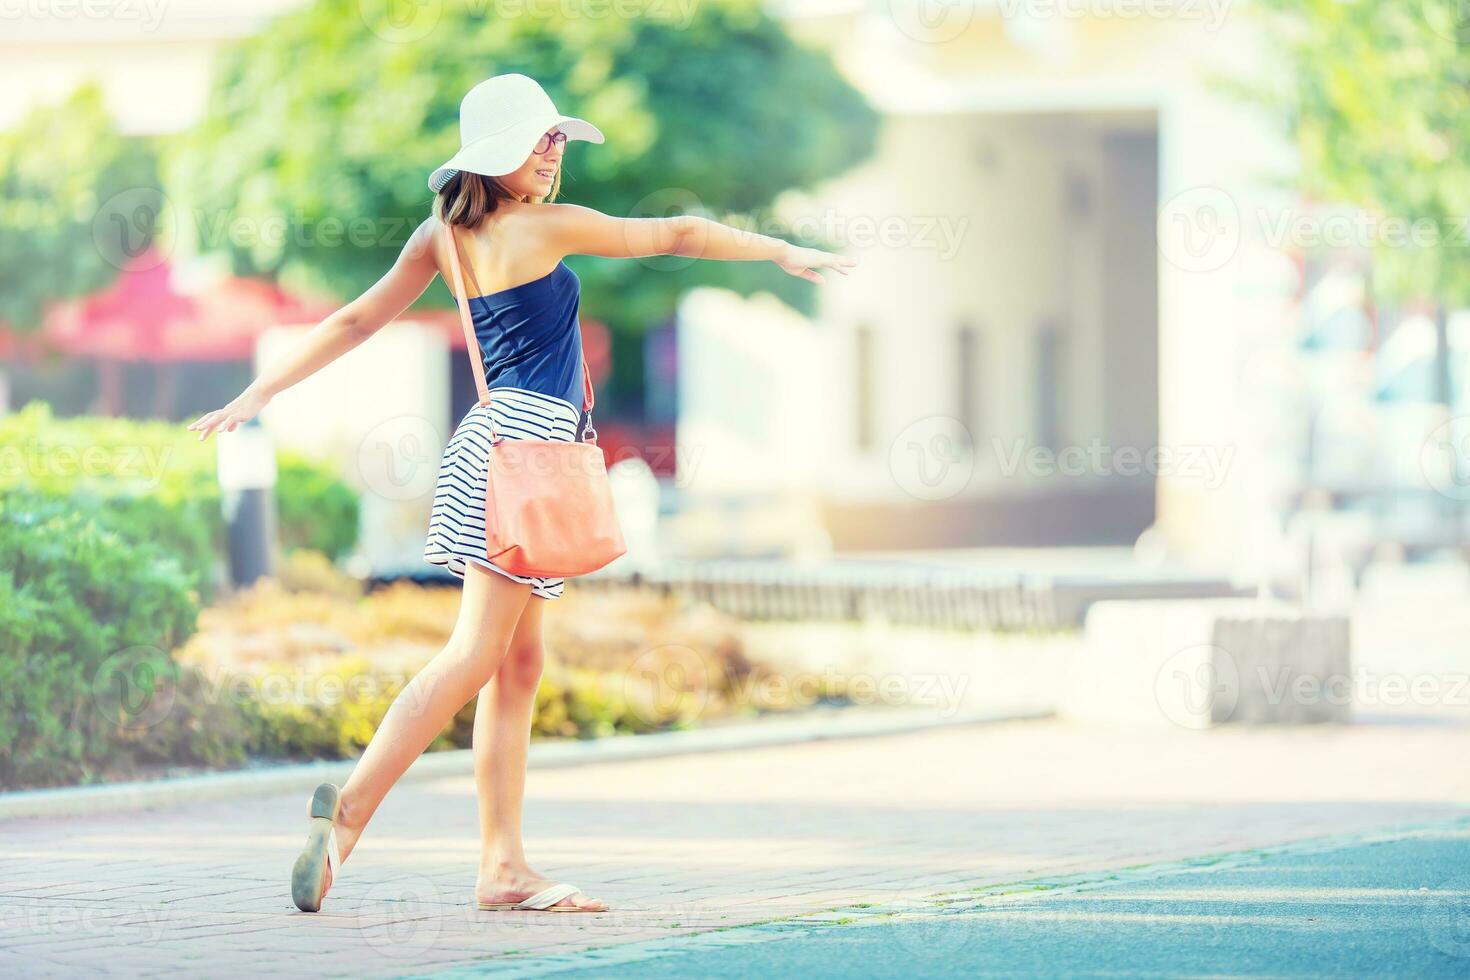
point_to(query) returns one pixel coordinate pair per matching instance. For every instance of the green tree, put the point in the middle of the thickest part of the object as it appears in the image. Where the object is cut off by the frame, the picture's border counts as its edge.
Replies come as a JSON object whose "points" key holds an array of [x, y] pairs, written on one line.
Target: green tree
{"points": [[321, 131], [1377, 98], [75, 200]]}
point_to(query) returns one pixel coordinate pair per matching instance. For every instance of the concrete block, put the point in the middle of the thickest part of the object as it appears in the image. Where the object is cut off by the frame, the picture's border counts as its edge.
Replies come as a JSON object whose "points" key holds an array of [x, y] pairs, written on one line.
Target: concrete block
{"points": [[1197, 663]]}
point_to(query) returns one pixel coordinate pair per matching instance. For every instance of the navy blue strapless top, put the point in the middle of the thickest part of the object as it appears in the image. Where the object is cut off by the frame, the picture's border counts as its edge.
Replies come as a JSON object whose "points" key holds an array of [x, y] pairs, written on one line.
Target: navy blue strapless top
{"points": [[530, 336]]}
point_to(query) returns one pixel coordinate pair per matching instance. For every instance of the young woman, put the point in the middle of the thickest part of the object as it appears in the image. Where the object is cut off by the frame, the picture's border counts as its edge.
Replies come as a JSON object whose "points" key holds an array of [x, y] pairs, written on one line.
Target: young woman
{"points": [[493, 203]]}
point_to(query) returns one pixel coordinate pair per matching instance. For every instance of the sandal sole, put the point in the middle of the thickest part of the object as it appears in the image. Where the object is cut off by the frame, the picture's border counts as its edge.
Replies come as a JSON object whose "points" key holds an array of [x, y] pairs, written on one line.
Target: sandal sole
{"points": [[309, 874]]}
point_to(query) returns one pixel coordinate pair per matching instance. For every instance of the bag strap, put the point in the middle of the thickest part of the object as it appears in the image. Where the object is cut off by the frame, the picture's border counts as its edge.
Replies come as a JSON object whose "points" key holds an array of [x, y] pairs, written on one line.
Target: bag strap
{"points": [[472, 342]]}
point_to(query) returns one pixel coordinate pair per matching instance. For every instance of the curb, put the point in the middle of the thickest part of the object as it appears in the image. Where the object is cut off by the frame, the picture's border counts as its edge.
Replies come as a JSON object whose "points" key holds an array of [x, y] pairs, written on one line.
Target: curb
{"points": [[302, 777]]}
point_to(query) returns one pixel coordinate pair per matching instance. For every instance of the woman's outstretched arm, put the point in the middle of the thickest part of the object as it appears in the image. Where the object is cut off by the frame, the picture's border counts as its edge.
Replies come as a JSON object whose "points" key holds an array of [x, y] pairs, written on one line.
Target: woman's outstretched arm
{"points": [[336, 335], [582, 231]]}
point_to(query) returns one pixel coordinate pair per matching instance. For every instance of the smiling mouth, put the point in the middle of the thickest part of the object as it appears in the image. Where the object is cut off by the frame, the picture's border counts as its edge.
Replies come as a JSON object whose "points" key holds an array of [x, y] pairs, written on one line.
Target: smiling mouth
{"points": [[547, 174]]}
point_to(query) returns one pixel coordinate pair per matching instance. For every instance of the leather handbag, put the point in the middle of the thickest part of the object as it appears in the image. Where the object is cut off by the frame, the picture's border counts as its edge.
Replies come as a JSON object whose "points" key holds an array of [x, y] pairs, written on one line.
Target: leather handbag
{"points": [[548, 504]]}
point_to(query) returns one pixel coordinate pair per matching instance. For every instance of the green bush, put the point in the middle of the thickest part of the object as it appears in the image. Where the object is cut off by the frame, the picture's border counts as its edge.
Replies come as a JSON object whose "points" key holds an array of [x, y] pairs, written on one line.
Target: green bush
{"points": [[87, 619], [157, 483], [317, 511]]}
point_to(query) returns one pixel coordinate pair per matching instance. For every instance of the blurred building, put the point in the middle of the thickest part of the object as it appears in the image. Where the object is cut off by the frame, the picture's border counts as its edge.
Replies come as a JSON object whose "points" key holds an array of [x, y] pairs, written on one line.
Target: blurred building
{"points": [[153, 59], [1054, 286]]}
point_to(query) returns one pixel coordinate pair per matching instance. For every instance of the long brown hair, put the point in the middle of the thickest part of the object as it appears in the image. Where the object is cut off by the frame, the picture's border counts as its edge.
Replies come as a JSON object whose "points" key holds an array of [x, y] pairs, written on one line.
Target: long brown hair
{"points": [[467, 199]]}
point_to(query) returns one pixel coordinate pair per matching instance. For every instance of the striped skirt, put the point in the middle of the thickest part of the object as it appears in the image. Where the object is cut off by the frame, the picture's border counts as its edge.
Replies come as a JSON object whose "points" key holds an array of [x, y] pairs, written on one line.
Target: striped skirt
{"points": [[457, 521]]}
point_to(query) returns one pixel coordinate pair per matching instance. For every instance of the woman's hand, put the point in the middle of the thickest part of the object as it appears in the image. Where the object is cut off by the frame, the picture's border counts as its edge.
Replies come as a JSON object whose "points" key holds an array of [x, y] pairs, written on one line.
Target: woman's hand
{"points": [[244, 408], [803, 262]]}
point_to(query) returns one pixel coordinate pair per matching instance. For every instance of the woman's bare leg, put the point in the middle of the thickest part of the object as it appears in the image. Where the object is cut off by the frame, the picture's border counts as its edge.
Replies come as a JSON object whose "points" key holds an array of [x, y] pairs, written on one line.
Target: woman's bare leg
{"points": [[502, 740], [488, 611]]}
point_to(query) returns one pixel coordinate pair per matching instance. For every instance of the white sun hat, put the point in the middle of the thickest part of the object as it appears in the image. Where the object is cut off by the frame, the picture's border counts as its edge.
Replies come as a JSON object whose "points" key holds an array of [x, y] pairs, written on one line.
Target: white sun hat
{"points": [[500, 122]]}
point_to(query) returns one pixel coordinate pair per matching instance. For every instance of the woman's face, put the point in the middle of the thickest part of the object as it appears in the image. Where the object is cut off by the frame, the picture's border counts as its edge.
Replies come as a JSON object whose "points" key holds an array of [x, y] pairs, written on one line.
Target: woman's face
{"points": [[537, 176]]}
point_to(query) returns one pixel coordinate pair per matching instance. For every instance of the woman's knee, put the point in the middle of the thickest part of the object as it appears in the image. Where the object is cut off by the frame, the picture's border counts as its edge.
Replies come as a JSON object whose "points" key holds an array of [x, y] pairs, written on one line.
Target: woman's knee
{"points": [[520, 672]]}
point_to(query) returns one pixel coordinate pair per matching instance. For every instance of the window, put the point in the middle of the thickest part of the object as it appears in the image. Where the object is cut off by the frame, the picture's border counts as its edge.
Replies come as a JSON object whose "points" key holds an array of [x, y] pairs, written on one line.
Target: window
{"points": [[1051, 368], [863, 341], [968, 376]]}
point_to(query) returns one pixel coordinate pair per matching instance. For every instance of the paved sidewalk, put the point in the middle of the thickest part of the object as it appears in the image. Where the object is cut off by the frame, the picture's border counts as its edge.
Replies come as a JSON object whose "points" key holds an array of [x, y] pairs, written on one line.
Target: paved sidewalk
{"points": [[1371, 908], [693, 843]]}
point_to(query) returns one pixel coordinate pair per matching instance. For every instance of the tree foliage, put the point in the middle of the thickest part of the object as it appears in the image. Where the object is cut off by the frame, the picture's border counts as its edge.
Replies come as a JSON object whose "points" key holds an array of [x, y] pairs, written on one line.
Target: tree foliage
{"points": [[74, 196], [1377, 97], [321, 131]]}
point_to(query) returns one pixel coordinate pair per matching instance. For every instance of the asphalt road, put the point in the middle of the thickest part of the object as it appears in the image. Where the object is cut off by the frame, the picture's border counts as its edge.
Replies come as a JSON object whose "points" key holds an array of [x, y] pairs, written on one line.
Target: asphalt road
{"points": [[1399, 908]]}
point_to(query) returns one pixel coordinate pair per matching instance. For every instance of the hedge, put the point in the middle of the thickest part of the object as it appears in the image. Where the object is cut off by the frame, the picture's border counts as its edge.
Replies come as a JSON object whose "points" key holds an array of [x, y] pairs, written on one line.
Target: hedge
{"points": [[158, 482], [88, 688]]}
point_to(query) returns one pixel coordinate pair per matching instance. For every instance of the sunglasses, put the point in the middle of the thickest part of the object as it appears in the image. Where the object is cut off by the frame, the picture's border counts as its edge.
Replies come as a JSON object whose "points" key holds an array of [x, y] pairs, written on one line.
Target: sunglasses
{"points": [[544, 143]]}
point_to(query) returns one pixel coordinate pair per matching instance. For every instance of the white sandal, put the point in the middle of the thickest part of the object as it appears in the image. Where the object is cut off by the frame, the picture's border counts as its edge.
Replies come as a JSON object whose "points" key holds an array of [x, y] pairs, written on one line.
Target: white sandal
{"points": [[309, 876], [542, 901]]}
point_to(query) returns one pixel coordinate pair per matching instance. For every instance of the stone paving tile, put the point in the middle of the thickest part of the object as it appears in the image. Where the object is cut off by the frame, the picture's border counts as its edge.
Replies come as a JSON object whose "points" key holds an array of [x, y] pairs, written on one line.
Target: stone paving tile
{"points": [[692, 843]]}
